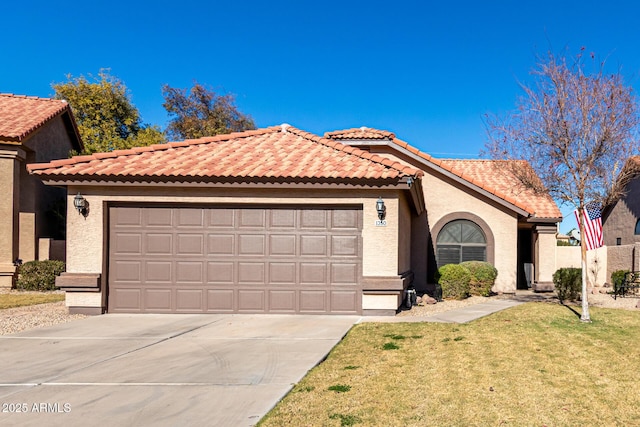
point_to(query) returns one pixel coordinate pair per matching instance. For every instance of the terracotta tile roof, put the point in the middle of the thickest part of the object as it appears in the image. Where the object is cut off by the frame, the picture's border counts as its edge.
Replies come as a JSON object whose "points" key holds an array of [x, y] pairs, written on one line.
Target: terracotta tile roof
{"points": [[488, 175], [494, 176], [279, 152], [21, 115]]}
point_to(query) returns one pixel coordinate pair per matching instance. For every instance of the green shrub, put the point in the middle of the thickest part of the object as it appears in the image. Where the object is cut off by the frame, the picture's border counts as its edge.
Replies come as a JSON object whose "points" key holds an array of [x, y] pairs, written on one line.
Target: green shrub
{"points": [[483, 277], [617, 278], [568, 282], [454, 281], [39, 275]]}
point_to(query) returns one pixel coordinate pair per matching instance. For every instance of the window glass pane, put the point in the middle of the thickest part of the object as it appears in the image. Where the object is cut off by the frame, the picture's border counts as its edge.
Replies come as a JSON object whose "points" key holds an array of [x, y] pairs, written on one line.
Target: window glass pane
{"points": [[474, 253], [471, 233], [637, 227], [451, 233], [448, 255]]}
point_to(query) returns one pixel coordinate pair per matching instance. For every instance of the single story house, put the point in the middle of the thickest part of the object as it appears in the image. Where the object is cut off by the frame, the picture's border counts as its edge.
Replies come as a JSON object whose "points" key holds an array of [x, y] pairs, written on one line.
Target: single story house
{"points": [[31, 130], [279, 220]]}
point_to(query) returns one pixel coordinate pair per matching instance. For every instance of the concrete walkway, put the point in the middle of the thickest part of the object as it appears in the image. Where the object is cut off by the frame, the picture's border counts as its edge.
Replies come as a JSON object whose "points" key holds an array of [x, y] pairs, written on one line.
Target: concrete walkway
{"points": [[459, 315]]}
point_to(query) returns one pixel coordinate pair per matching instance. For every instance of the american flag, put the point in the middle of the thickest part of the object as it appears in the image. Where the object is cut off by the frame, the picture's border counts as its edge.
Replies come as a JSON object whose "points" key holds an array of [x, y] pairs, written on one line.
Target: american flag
{"points": [[592, 233]]}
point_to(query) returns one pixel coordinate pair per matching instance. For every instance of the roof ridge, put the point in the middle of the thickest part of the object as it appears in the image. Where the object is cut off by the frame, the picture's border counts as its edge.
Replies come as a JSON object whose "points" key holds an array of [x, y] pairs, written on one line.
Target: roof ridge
{"points": [[349, 149], [381, 132], [13, 95]]}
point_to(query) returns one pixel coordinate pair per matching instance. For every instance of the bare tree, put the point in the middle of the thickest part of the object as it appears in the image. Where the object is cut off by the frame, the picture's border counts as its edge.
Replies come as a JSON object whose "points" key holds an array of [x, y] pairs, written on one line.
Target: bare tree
{"points": [[577, 129]]}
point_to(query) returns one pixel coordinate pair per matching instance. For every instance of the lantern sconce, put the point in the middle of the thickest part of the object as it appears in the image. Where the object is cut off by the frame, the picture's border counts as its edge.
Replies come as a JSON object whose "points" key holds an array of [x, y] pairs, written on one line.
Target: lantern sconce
{"points": [[81, 205], [381, 208]]}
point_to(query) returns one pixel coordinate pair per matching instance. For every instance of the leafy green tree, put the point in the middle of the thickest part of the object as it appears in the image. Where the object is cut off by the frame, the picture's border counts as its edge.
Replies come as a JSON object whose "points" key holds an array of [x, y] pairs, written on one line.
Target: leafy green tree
{"points": [[107, 119], [577, 127], [199, 112]]}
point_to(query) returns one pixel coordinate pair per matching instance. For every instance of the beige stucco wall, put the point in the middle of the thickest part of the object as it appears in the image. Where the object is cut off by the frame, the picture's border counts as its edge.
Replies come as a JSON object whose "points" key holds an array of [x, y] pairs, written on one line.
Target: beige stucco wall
{"points": [[10, 189], [381, 247], [545, 254], [597, 262], [443, 198]]}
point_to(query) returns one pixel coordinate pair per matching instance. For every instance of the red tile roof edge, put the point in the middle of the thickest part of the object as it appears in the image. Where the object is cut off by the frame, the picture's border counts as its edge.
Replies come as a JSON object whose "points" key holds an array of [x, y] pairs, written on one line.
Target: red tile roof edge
{"points": [[404, 169], [63, 107]]}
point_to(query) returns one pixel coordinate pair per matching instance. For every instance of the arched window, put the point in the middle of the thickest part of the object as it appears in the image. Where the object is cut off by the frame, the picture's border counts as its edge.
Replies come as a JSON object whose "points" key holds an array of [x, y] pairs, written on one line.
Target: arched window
{"points": [[637, 232], [460, 240]]}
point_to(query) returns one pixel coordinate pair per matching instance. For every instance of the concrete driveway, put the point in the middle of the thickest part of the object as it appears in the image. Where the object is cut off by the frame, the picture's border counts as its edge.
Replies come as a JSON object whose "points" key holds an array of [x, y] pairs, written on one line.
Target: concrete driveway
{"points": [[173, 370]]}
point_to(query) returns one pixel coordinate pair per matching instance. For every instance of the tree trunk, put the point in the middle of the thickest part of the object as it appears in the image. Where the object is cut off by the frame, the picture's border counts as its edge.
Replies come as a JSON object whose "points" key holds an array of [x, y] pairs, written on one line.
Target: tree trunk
{"points": [[583, 253]]}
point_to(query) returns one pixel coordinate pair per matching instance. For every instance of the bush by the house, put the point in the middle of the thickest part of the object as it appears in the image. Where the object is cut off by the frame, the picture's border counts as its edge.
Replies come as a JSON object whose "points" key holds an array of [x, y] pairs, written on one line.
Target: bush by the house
{"points": [[454, 280], [568, 283], [617, 278], [39, 275], [483, 277]]}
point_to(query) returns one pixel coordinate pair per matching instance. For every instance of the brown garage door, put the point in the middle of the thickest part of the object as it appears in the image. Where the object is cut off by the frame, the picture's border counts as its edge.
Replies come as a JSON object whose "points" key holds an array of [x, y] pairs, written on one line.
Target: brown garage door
{"points": [[234, 260]]}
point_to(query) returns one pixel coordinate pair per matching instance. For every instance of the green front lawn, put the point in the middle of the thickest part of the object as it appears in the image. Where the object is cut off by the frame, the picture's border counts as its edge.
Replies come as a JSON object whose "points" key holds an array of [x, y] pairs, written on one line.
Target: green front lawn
{"points": [[532, 365], [19, 299]]}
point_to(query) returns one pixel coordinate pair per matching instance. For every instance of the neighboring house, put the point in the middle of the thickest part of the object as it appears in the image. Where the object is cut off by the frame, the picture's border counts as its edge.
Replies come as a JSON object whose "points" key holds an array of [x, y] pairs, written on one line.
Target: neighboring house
{"points": [[31, 130], [621, 221], [279, 220], [621, 227]]}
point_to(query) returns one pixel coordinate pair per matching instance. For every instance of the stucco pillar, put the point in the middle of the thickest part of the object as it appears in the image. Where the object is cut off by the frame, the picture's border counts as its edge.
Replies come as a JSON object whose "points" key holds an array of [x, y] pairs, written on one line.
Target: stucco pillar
{"points": [[9, 224], [544, 257]]}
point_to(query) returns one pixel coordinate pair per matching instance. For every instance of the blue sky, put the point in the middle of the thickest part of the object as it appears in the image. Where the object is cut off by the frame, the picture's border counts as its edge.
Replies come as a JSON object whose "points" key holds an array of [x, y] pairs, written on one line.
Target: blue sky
{"points": [[426, 70]]}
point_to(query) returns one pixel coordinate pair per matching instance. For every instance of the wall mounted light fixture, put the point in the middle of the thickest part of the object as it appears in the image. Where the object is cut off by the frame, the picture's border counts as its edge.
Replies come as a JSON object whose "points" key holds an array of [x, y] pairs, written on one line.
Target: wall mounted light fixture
{"points": [[381, 208], [81, 205]]}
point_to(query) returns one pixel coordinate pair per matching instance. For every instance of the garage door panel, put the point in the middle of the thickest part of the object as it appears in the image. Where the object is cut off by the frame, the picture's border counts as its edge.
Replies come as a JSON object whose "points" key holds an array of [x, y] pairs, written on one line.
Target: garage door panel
{"points": [[251, 300], [313, 301], [282, 301], [251, 272], [251, 218], [220, 272], [313, 273], [159, 244], [159, 271], [282, 273], [189, 271], [221, 218], [312, 245], [128, 243], [128, 271], [232, 260], [251, 244], [125, 299], [344, 246], [282, 244], [189, 300], [221, 244], [189, 218], [190, 244], [128, 217], [344, 273], [344, 301], [159, 217], [157, 300], [313, 218], [345, 219], [220, 300], [282, 218]]}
